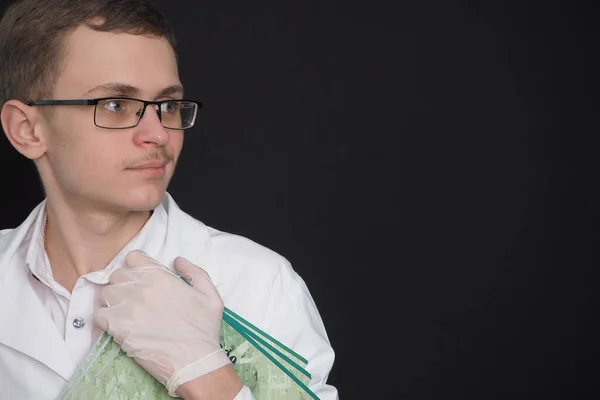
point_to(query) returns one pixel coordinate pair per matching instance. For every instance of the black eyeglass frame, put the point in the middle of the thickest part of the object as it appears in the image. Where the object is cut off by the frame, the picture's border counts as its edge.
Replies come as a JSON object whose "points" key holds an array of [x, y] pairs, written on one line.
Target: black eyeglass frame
{"points": [[94, 102]]}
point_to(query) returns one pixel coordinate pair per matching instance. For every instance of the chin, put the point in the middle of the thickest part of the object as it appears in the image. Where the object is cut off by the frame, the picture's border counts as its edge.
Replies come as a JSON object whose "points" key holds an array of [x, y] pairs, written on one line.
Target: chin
{"points": [[141, 200]]}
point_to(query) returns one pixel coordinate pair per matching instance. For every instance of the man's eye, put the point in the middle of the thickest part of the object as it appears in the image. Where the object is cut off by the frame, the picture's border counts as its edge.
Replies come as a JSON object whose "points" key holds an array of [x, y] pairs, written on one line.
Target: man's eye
{"points": [[168, 107], [114, 106]]}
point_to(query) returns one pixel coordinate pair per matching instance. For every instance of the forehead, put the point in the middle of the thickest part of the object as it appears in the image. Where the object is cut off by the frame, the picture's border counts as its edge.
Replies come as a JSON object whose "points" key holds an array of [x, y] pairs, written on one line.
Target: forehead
{"points": [[93, 58]]}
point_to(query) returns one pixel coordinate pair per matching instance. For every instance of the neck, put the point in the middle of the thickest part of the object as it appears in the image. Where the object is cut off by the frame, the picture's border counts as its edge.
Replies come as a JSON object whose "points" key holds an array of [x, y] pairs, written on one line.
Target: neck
{"points": [[80, 241]]}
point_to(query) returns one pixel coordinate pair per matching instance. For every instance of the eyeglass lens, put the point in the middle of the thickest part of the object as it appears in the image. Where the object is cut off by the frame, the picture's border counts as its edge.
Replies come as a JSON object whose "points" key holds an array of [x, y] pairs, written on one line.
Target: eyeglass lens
{"points": [[125, 113]]}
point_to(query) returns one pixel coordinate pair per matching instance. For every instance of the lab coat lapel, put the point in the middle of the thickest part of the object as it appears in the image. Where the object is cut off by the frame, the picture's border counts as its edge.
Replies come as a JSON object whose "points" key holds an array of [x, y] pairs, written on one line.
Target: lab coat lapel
{"points": [[25, 326]]}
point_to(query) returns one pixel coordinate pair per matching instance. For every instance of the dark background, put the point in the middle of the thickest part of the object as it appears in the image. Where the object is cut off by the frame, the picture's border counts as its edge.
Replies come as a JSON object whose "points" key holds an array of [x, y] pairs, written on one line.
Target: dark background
{"points": [[428, 168]]}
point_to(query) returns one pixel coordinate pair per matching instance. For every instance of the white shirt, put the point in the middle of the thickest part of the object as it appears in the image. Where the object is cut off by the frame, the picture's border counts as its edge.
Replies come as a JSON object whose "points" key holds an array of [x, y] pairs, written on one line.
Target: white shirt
{"points": [[41, 346], [73, 312]]}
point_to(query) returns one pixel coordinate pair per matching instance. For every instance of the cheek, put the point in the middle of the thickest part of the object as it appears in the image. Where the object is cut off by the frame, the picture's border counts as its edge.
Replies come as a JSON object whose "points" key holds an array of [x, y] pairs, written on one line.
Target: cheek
{"points": [[176, 143], [88, 165], [82, 159]]}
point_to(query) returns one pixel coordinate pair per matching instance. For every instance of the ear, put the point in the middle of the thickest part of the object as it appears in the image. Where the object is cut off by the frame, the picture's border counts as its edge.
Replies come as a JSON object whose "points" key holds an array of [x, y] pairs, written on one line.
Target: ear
{"points": [[21, 126]]}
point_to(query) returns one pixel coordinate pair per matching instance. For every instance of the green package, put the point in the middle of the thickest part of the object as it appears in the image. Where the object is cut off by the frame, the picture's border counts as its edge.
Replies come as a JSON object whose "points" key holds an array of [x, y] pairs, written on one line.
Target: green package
{"points": [[268, 368]]}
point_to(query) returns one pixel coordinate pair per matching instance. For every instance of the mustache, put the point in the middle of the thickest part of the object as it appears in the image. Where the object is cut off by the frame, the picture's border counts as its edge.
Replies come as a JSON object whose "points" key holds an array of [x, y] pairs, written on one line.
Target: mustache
{"points": [[159, 155]]}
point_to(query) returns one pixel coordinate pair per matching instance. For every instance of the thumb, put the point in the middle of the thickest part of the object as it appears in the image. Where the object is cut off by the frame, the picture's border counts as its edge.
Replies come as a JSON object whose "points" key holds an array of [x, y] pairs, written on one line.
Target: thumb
{"points": [[137, 258], [191, 272], [100, 318]]}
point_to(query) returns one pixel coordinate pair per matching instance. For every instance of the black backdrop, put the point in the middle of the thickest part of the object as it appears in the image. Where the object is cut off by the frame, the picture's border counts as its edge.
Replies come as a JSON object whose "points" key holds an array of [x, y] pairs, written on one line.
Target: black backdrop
{"points": [[427, 168]]}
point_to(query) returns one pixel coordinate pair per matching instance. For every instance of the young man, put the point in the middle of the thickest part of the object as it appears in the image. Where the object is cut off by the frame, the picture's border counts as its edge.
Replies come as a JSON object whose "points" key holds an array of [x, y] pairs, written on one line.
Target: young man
{"points": [[91, 93]]}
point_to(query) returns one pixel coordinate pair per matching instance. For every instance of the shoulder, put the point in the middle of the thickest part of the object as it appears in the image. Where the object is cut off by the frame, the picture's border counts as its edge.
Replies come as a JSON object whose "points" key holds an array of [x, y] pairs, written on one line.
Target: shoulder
{"points": [[230, 250], [12, 243], [255, 281], [5, 234], [246, 255], [237, 264], [6, 238], [238, 245]]}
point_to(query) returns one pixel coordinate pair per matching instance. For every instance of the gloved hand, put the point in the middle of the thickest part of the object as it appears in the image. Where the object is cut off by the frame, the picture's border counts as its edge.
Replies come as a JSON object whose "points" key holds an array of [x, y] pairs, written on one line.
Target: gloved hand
{"points": [[168, 327]]}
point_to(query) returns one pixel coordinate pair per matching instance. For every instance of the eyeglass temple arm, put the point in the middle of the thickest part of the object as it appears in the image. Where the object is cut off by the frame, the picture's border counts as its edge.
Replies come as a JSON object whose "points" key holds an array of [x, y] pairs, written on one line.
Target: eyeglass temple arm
{"points": [[62, 102]]}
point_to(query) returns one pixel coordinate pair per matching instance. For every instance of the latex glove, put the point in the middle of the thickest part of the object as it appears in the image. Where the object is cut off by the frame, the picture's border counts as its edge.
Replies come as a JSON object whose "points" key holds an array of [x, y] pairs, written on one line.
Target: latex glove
{"points": [[168, 327]]}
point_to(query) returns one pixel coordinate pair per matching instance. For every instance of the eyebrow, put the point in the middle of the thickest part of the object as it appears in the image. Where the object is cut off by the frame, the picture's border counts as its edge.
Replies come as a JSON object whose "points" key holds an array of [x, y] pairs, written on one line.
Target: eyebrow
{"points": [[122, 89]]}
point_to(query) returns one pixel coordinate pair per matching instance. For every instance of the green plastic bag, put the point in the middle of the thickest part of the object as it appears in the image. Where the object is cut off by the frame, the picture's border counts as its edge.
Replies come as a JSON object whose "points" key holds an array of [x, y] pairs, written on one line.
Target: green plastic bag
{"points": [[269, 369]]}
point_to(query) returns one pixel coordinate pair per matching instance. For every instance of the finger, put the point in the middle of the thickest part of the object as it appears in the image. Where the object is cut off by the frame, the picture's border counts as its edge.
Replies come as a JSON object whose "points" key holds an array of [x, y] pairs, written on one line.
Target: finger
{"points": [[136, 274], [100, 318], [195, 275], [189, 270], [137, 258], [111, 295], [121, 276]]}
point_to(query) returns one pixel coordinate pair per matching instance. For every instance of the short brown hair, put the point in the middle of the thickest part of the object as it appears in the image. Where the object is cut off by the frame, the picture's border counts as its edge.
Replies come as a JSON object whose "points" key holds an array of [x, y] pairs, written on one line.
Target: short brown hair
{"points": [[32, 34]]}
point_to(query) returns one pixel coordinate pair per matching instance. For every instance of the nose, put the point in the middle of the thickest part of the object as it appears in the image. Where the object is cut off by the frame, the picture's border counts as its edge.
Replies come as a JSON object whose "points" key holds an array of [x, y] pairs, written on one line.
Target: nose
{"points": [[150, 130]]}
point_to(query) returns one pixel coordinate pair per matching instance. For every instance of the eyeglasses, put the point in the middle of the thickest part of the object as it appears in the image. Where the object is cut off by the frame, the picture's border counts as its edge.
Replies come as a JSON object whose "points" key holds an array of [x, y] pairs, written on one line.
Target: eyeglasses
{"points": [[123, 112]]}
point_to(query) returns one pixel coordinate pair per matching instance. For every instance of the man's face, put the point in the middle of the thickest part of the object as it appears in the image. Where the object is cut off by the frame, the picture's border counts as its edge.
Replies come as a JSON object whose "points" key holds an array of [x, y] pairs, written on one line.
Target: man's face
{"points": [[89, 165]]}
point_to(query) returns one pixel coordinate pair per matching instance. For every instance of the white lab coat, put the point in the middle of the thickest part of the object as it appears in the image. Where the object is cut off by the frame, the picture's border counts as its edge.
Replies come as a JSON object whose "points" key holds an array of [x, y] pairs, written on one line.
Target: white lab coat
{"points": [[253, 281]]}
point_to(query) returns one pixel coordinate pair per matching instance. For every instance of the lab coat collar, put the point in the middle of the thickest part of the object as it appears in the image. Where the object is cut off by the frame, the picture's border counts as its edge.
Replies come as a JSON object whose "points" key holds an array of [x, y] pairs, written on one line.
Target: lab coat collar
{"points": [[150, 239], [25, 325]]}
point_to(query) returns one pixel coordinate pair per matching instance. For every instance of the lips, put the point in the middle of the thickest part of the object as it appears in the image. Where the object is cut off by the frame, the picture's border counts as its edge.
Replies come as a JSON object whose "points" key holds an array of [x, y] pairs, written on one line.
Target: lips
{"points": [[154, 169], [151, 165]]}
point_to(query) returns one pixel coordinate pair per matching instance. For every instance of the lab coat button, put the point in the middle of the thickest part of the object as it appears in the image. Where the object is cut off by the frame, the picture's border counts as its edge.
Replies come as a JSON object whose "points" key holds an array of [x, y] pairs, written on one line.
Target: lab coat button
{"points": [[78, 322]]}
